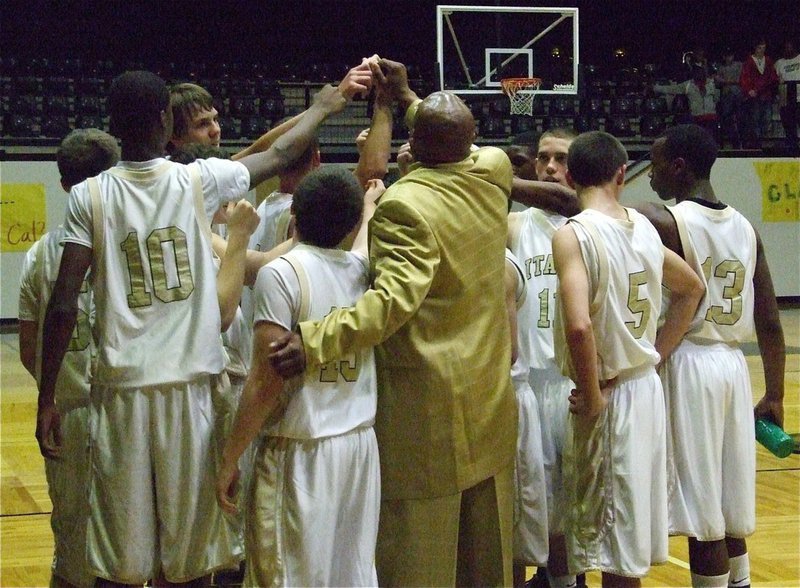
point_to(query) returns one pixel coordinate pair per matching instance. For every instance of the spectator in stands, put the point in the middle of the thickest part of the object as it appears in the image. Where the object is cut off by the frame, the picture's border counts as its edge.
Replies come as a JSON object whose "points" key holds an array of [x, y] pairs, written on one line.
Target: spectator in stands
{"points": [[758, 82], [703, 96], [788, 70], [730, 104], [697, 58]]}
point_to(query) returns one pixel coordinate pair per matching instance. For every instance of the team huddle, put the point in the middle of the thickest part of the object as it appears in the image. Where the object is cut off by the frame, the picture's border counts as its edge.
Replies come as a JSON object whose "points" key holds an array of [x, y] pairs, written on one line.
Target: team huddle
{"points": [[357, 385]]}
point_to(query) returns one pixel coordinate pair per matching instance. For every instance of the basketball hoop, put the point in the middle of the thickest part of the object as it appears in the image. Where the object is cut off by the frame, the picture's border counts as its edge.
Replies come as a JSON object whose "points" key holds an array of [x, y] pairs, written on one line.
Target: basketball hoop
{"points": [[521, 101]]}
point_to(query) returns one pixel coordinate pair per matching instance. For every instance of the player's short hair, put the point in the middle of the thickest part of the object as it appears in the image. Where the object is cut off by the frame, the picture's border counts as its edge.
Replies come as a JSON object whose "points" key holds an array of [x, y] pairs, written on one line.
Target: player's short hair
{"points": [[695, 145], [192, 151], [187, 100], [327, 205], [594, 158], [136, 100], [560, 133], [84, 153]]}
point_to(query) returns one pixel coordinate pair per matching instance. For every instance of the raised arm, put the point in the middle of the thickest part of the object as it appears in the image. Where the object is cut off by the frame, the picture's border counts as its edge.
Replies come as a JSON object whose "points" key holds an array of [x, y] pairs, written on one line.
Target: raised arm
{"points": [[266, 140], [290, 146], [373, 161], [374, 191], [242, 221], [686, 291], [771, 345], [393, 76], [254, 260]]}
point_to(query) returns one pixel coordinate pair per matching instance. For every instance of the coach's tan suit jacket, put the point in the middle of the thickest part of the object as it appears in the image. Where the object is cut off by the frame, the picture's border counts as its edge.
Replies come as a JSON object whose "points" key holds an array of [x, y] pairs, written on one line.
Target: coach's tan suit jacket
{"points": [[446, 416]]}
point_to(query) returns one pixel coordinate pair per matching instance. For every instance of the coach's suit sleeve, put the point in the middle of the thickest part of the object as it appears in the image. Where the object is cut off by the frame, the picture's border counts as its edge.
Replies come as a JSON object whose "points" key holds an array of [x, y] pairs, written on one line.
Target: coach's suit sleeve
{"points": [[406, 257]]}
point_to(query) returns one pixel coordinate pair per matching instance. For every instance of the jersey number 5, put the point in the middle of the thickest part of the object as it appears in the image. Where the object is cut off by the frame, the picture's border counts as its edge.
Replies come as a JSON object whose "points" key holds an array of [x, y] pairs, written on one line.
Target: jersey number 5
{"points": [[637, 305], [167, 241]]}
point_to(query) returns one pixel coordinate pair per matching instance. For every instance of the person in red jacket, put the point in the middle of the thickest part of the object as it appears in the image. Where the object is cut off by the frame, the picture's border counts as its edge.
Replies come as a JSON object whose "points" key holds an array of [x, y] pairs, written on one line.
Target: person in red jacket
{"points": [[758, 82]]}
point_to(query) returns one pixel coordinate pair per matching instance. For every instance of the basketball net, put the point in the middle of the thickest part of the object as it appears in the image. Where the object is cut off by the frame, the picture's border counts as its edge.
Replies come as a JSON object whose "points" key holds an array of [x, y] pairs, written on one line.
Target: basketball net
{"points": [[521, 102]]}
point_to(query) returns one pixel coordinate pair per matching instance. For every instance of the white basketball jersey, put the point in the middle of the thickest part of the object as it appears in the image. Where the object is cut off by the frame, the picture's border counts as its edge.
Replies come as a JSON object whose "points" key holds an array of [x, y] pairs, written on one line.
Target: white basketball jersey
{"points": [[720, 245], [273, 225], [624, 260], [531, 235], [158, 317], [39, 274], [340, 395], [232, 339], [521, 367]]}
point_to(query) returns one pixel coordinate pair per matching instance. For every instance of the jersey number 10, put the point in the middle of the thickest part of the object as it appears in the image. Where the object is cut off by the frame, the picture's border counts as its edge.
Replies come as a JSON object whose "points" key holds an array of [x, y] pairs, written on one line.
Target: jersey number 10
{"points": [[160, 242]]}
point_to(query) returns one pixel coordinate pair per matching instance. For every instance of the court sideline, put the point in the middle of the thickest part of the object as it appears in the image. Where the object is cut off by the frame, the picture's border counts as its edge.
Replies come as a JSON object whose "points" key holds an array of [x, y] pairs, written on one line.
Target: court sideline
{"points": [[26, 543]]}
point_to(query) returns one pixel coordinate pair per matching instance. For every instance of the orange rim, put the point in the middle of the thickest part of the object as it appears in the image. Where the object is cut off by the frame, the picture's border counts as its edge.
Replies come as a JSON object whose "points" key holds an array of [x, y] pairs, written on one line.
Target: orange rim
{"points": [[512, 85]]}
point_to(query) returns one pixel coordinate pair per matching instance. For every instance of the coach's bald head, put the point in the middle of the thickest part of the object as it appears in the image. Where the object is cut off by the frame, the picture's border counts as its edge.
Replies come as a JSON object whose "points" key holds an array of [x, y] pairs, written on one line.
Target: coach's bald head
{"points": [[444, 129]]}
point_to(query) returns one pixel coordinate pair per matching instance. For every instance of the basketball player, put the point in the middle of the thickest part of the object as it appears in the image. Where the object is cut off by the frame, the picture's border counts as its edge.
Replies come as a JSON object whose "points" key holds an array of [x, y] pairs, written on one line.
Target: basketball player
{"points": [[530, 500], [196, 122], [83, 153], [159, 328], [316, 494], [530, 233], [539, 176], [706, 382], [610, 264], [274, 210]]}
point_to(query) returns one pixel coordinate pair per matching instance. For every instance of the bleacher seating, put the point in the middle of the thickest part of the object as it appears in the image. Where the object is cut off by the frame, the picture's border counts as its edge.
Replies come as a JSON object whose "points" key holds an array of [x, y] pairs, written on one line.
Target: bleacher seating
{"points": [[493, 127], [57, 106], [20, 125], [90, 121], [55, 125], [42, 99]]}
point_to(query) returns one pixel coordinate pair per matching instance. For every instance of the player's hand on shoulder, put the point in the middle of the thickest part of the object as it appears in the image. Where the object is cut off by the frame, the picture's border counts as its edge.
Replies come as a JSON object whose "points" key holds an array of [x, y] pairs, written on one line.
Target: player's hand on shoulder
{"points": [[287, 355], [243, 217]]}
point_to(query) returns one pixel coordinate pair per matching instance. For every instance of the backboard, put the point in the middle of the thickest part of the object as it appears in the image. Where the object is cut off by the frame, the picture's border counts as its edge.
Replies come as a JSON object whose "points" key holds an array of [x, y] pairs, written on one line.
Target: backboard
{"points": [[477, 46]]}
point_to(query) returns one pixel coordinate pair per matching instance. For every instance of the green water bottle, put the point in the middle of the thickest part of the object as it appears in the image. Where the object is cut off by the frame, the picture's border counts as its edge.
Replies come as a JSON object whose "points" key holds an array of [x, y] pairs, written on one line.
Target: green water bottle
{"points": [[774, 438]]}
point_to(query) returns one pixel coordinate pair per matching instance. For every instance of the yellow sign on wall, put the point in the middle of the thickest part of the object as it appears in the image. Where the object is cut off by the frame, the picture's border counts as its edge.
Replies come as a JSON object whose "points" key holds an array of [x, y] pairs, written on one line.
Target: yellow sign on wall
{"points": [[780, 190], [23, 216]]}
